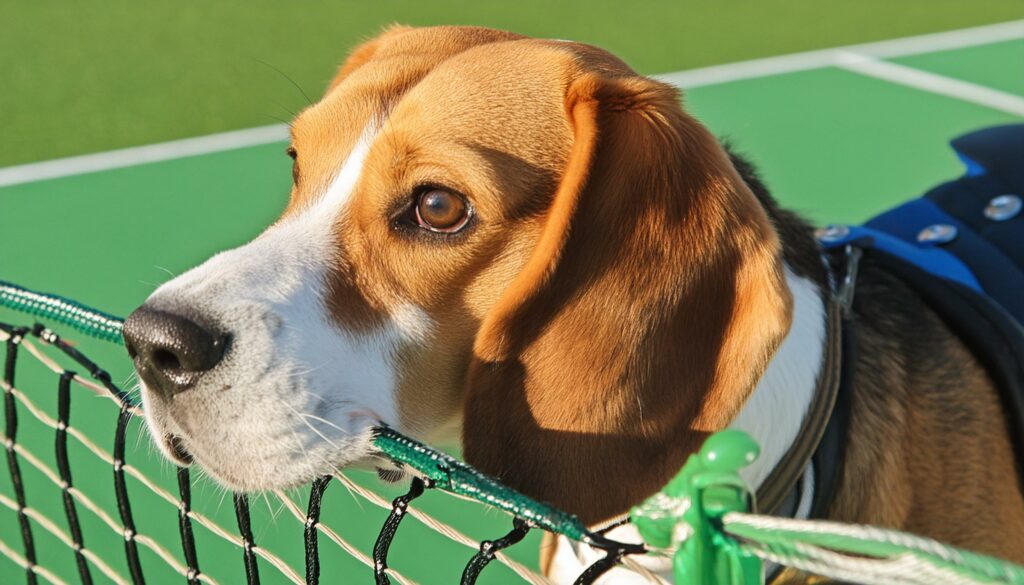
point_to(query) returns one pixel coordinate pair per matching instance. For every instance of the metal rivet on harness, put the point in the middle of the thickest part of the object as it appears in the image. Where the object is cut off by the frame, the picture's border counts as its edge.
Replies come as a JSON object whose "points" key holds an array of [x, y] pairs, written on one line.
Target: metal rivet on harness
{"points": [[940, 233], [832, 233], [1003, 207]]}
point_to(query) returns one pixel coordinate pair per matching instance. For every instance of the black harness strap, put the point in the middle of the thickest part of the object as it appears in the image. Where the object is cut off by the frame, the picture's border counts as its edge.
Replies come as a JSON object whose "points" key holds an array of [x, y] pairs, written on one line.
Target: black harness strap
{"points": [[829, 458], [777, 488]]}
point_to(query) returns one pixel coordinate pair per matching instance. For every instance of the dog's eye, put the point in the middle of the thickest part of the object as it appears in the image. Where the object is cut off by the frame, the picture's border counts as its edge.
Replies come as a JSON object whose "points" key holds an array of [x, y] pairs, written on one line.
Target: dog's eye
{"points": [[291, 152], [441, 211]]}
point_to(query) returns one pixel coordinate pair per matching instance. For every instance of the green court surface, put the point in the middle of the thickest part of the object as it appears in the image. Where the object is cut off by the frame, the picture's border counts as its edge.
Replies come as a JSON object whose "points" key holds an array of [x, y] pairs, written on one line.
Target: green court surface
{"points": [[100, 74], [835, 144]]}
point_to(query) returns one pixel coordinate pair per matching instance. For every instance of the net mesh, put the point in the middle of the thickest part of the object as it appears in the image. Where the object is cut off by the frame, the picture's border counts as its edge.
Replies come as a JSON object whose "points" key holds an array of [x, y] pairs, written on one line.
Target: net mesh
{"points": [[73, 373], [100, 533]]}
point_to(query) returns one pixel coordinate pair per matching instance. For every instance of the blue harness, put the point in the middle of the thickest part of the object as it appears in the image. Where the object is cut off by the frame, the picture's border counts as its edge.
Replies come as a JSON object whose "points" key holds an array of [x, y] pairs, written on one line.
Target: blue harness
{"points": [[961, 247]]}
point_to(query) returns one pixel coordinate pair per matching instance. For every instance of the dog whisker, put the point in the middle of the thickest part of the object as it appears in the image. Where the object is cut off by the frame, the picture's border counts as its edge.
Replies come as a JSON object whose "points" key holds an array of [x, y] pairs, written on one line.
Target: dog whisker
{"points": [[324, 421], [168, 271], [289, 78], [299, 415], [273, 117], [270, 508], [307, 371], [330, 466]]}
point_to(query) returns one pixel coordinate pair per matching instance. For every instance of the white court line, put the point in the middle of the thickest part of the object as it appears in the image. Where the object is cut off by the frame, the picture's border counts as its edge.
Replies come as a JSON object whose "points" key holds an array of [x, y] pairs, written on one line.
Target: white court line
{"points": [[768, 66], [139, 155], [126, 157], [934, 83]]}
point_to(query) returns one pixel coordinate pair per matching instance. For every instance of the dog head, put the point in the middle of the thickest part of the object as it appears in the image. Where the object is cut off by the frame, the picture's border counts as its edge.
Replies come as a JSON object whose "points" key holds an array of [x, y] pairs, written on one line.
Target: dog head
{"points": [[520, 238]]}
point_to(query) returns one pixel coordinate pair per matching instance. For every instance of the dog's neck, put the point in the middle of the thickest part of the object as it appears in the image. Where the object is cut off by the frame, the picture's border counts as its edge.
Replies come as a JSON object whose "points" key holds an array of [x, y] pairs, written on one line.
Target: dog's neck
{"points": [[775, 410], [773, 416]]}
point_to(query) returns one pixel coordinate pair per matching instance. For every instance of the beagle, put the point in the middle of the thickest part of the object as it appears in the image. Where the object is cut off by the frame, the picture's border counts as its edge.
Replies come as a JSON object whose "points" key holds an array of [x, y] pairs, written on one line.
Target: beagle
{"points": [[525, 245]]}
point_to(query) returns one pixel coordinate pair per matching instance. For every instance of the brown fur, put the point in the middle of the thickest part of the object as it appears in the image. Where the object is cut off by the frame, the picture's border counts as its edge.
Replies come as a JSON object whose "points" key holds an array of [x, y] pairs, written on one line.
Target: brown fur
{"points": [[929, 451], [620, 290], [651, 239]]}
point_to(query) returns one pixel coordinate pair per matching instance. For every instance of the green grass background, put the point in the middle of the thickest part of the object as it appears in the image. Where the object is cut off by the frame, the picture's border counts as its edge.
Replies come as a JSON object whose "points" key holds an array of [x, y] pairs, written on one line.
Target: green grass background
{"points": [[91, 76], [99, 74]]}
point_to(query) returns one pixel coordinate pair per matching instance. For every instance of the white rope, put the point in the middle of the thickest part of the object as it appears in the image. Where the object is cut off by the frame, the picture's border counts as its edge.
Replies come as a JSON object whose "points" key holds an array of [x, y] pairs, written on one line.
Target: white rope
{"points": [[859, 531], [106, 457], [434, 524], [23, 563], [445, 530], [438, 526], [119, 529], [427, 520], [52, 528], [633, 565], [905, 569], [56, 368], [914, 564], [337, 539]]}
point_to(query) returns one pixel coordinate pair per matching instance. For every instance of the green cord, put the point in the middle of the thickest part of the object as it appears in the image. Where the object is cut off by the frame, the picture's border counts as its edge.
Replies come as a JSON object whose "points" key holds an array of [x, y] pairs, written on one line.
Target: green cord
{"points": [[446, 472], [456, 477], [66, 311]]}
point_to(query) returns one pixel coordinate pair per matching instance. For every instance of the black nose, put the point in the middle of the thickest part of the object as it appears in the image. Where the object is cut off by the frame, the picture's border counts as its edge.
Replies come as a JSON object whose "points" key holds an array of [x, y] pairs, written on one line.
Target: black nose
{"points": [[171, 351]]}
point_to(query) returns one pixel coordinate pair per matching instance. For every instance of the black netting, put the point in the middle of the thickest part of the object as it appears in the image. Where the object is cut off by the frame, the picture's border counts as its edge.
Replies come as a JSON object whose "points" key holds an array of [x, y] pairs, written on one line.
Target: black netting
{"points": [[63, 421], [400, 506], [10, 438]]}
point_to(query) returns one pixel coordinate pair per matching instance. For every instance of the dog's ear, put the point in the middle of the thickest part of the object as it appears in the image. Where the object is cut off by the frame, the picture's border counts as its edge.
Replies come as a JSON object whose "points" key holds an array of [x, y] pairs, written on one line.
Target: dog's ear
{"points": [[415, 49], [364, 52], [648, 309]]}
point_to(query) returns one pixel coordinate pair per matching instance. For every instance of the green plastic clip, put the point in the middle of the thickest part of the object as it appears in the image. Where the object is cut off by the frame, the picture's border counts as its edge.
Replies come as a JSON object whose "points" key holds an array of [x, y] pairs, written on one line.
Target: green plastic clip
{"points": [[687, 514]]}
